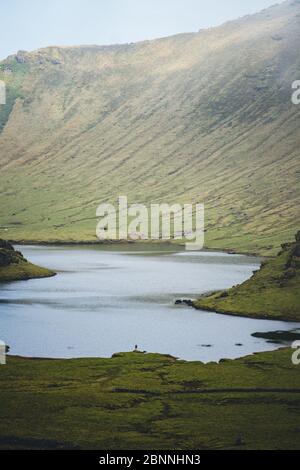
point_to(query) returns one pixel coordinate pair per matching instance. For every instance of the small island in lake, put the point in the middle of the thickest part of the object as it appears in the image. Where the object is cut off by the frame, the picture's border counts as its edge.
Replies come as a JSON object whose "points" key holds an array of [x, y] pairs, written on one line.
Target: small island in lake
{"points": [[14, 267]]}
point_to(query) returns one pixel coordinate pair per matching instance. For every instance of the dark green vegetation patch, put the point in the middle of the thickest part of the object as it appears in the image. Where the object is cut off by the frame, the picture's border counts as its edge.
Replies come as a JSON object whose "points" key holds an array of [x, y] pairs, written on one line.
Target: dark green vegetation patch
{"points": [[137, 401]]}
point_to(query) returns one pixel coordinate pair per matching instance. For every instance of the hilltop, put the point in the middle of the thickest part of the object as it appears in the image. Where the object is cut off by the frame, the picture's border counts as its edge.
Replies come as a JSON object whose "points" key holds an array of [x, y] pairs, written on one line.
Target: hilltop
{"points": [[201, 117]]}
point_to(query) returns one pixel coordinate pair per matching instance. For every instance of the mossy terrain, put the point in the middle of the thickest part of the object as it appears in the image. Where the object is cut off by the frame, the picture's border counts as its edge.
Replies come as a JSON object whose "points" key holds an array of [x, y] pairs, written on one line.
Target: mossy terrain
{"points": [[272, 292], [14, 267], [149, 401]]}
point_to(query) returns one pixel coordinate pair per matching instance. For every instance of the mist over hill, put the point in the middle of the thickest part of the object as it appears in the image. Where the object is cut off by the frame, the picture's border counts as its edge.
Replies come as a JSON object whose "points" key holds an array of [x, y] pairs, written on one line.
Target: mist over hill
{"points": [[201, 117]]}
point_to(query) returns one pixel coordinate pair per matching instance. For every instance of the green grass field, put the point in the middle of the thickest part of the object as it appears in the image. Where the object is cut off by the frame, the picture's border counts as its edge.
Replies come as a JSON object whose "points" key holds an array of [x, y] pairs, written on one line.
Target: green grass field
{"points": [[137, 401]]}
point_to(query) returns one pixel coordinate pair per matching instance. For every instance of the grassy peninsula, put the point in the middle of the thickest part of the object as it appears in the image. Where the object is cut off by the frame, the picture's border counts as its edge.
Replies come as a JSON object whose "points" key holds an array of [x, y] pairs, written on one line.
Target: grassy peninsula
{"points": [[272, 292], [14, 267]]}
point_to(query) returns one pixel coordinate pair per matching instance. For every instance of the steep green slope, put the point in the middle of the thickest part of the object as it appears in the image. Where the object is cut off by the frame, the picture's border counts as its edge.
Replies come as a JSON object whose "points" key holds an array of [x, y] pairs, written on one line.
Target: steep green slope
{"points": [[14, 267], [13, 78], [273, 291], [136, 401], [203, 117]]}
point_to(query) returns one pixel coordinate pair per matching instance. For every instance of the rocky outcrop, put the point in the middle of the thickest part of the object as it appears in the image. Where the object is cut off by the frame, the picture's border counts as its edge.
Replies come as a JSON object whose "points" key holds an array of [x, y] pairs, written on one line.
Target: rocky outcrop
{"points": [[13, 265], [8, 255]]}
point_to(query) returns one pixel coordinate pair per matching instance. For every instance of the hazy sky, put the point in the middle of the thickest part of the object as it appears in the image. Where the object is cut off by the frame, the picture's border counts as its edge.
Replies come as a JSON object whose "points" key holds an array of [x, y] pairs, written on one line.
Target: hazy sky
{"points": [[30, 24]]}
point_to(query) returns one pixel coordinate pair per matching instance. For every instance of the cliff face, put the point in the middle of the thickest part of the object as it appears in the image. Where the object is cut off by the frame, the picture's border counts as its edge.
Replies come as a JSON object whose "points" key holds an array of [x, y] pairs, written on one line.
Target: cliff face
{"points": [[203, 117], [273, 291], [13, 265]]}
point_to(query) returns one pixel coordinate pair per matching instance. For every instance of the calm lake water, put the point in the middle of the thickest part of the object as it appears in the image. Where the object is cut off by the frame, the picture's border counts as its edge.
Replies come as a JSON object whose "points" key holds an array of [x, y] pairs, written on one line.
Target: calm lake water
{"points": [[107, 299]]}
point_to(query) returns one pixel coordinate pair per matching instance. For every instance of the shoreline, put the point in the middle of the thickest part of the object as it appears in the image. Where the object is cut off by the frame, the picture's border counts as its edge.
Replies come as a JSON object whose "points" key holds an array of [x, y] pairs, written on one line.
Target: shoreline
{"points": [[196, 304], [271, 293], [71, 243], [144, 354], [26, 276], [242, 315]]}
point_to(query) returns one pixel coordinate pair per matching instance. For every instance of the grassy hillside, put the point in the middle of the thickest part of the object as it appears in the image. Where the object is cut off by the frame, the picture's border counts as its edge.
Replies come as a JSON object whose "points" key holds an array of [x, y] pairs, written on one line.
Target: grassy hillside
{"points": [[136, 401], [14, 267], [273, 291], [202, 117]]}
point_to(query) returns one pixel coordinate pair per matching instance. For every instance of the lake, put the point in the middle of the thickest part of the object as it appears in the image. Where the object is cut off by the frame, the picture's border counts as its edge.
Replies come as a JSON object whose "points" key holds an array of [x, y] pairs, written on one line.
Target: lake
{"points": [[108, 299]]}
